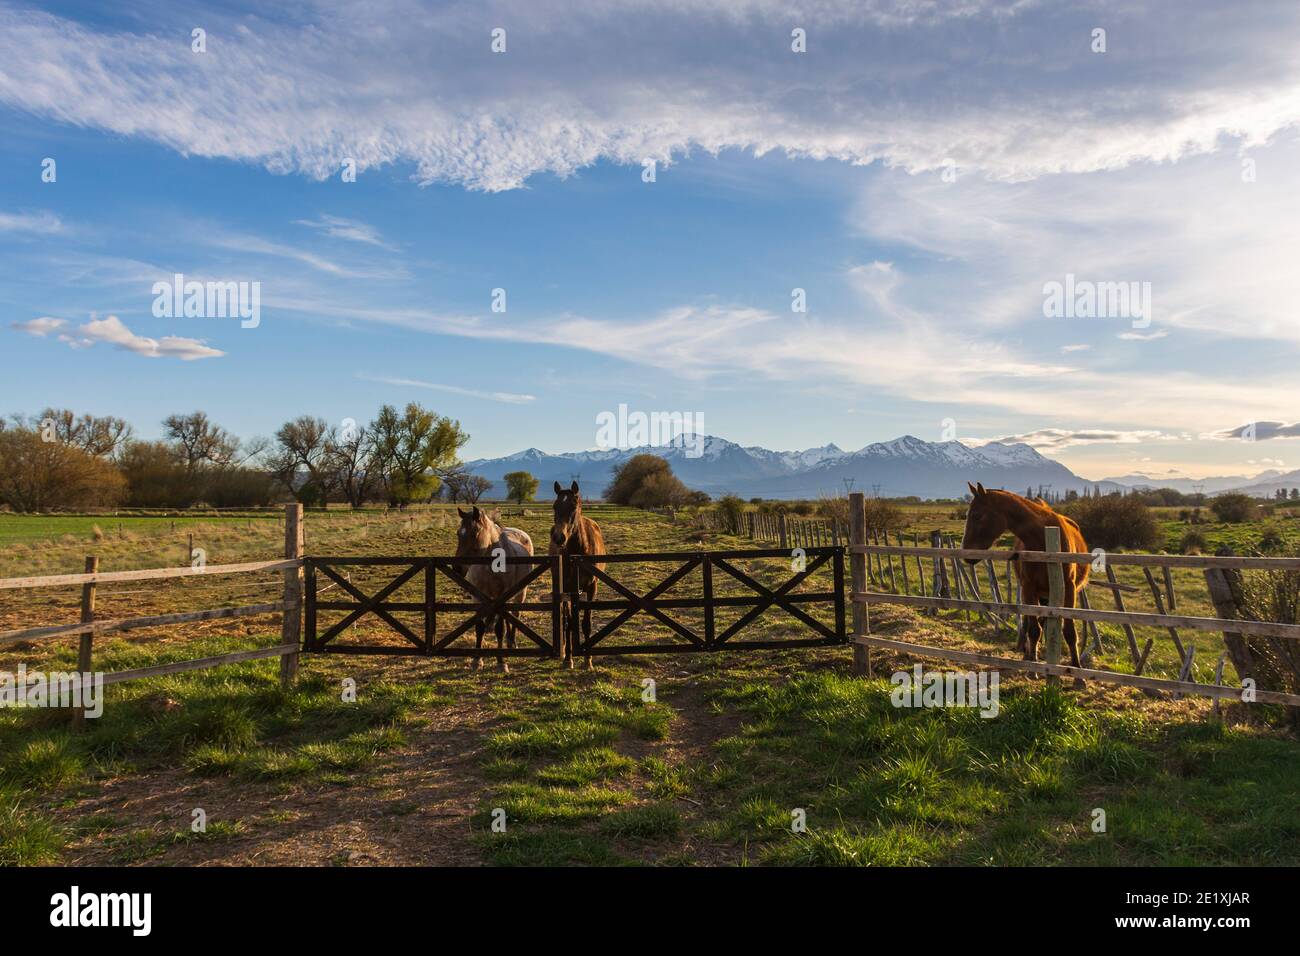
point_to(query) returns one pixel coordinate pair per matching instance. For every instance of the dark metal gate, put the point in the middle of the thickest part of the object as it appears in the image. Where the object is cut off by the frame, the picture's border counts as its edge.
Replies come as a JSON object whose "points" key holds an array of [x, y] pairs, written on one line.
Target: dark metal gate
{"points": [[429, 605]]}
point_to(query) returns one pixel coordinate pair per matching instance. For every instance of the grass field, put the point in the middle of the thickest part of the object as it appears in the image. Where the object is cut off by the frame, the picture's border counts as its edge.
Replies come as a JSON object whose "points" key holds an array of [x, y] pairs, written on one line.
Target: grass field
{"points": [[585, 770]]}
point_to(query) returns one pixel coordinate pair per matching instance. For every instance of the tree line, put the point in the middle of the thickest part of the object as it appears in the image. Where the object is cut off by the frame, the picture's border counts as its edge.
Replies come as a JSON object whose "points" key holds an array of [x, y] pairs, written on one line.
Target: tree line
{"points": [[59, 460]]}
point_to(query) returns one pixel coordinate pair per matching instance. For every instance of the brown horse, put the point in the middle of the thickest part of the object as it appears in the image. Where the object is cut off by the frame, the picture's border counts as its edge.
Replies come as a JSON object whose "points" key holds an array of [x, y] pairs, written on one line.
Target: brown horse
{"points": [[994, 512], [572, 533], [479, 536]]}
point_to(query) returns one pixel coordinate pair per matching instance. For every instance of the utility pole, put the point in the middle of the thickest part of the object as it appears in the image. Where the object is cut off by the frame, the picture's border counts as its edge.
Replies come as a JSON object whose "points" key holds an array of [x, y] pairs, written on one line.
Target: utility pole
{"points": [[848, 485]]}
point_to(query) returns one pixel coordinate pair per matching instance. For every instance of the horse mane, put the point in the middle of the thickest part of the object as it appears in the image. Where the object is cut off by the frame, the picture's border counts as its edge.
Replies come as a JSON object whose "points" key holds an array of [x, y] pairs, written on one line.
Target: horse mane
{"points": [[1036, 505]]}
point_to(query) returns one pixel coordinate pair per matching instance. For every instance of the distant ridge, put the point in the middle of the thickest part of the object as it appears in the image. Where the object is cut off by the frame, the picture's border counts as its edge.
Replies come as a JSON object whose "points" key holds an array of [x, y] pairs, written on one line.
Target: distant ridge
{"points": [[902, 467]]}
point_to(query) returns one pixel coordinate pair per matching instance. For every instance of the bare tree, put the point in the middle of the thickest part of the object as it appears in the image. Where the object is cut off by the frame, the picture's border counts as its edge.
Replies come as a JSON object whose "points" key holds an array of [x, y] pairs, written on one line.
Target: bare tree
{"points": [[199, 442], [94, 435], [351, 462], [304, 447]]}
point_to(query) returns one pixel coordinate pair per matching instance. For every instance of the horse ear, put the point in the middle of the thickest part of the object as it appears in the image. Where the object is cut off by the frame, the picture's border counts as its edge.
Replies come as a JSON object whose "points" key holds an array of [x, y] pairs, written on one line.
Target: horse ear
{"points": [[476, 512], [574, 487], [463, 514], [558, 489], [972, 488], [980, 486]]}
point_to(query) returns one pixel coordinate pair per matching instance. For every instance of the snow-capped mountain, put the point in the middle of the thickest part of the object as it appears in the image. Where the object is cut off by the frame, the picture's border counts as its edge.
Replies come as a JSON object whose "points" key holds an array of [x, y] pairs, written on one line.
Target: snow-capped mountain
{"points": [[904, 466]]}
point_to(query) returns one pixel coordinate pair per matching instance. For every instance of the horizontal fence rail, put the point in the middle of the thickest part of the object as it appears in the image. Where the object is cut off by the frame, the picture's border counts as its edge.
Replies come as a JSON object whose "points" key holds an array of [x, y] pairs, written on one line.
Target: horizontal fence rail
{"points": [[290, 609], [101, 626], [147, 574], [1135, 618], [1199, 561]]}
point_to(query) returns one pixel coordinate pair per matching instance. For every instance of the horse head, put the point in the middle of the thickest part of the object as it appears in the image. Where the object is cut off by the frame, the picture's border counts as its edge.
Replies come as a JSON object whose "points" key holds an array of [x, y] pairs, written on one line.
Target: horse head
{"points": [[475, 536], [567, 511], [985, 521]]}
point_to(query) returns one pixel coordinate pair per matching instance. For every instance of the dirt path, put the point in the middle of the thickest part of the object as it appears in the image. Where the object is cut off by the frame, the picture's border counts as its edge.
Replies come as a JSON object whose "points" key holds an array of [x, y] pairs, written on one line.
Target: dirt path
{"points": [[413, 808]]}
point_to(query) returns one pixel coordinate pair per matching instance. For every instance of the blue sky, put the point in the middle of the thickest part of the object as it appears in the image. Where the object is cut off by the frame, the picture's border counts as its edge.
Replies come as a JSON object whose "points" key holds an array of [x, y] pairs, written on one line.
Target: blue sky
{"points": [[919, 175]]}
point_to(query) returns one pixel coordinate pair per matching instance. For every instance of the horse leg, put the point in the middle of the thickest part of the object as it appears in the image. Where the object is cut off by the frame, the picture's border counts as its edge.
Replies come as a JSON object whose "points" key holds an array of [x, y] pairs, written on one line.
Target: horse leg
{"points": [[1071, 635], [1033, 631], [479, 627], [501, 640]]}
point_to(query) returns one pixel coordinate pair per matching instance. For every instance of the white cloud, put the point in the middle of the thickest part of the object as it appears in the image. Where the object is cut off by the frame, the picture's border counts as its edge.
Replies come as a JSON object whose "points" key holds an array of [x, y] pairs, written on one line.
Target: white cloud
{"points": [[113, 331], [1011, 90], [39, 327]]}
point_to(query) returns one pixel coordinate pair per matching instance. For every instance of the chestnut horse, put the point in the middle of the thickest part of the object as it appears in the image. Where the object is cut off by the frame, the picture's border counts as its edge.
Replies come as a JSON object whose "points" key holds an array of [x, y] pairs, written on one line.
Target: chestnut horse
{"points": [[574, 534], [994, 512], [479, 536]]}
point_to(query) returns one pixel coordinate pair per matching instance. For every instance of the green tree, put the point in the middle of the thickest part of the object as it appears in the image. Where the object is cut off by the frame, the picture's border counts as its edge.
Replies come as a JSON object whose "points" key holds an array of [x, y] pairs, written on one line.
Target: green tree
{"points": [[520, 486], [413, 450]]}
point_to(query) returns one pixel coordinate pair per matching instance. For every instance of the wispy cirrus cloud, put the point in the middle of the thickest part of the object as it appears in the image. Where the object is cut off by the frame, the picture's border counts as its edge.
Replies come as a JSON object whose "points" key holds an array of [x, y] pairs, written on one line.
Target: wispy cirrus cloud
{"points": [[1055, 439], [509, 398], [336, 227], [39, 223], [255, 245]]}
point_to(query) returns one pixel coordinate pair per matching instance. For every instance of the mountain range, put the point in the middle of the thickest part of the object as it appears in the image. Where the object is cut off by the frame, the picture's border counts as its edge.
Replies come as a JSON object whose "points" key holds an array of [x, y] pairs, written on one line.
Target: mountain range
{"points": [[898, 468]]}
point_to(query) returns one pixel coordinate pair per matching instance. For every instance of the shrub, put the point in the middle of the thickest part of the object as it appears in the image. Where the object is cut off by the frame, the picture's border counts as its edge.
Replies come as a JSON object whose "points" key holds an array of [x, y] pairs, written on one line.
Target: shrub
{"points": [[1234, 508], [1272, 540], [646, 481], [732, 510], [1115, 521], [882, 514], [1193, 542]]}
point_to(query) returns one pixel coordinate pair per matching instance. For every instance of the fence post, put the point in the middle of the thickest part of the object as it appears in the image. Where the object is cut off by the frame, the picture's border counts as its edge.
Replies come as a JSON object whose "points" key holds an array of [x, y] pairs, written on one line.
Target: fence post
{"points": [[1223, 598], [557, 604], [87, 639], [291, 621], [780, 529], [858, 583], [1056, 598]]}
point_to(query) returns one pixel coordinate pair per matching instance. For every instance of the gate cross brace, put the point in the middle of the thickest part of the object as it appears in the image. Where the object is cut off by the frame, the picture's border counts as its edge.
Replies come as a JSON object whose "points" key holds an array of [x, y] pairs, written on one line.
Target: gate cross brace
{"points": [[770, 597], [645, 603], [370, 604], [493, 606]]}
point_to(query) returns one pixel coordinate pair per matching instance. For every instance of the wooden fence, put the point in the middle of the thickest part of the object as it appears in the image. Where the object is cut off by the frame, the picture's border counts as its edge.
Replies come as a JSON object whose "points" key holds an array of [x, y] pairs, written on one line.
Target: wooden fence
{"points": [[290, 607], [781, 528], [954, 584]]}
